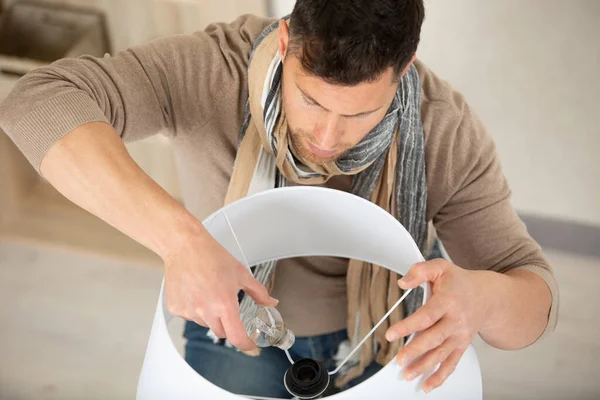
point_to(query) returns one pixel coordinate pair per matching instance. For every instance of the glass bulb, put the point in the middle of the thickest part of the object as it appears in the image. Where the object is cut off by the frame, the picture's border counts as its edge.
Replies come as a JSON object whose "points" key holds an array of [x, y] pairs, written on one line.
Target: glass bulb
{"points": [[265, 327]]}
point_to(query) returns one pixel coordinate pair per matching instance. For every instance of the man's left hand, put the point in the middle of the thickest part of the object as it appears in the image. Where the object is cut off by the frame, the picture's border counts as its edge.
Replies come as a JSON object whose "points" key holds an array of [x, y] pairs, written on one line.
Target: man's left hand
{"points": [[455, 313]]}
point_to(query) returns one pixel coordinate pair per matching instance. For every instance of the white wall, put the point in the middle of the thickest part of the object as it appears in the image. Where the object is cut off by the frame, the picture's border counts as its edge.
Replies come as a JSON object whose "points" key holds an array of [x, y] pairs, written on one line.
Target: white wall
{"points": [[279, 8], [530, 70]]}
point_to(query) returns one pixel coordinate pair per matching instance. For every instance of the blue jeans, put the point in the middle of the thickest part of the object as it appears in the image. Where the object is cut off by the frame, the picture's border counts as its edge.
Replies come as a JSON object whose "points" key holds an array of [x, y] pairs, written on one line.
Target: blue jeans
{"points": [[263, 375]]}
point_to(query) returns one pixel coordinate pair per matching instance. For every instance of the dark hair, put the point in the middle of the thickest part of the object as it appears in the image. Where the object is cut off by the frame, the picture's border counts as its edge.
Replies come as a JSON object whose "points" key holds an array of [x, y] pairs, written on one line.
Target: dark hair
{"points": [[351, 41]]}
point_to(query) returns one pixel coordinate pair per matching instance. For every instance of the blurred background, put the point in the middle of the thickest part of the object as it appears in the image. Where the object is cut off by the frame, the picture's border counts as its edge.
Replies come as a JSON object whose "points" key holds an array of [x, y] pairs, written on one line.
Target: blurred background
{"points": [[77, 298]]}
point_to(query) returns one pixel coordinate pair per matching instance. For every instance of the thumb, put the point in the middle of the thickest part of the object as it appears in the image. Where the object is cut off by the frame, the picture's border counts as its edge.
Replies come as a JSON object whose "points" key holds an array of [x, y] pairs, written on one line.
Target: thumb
{"points": [[259, 292], [419, 273]]}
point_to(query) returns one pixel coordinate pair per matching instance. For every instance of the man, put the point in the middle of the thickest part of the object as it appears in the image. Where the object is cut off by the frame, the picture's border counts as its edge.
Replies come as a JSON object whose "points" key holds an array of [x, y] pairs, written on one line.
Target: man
{"points": [[331, 96]]}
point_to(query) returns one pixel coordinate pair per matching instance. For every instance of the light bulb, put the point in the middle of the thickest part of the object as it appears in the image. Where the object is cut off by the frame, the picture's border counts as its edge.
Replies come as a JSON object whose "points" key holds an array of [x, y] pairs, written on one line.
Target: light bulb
{"points": [[265, 327]]}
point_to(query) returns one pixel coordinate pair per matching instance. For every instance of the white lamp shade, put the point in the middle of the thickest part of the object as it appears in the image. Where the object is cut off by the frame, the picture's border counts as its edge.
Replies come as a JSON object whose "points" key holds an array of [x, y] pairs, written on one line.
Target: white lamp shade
{"points": [[303, 221]]}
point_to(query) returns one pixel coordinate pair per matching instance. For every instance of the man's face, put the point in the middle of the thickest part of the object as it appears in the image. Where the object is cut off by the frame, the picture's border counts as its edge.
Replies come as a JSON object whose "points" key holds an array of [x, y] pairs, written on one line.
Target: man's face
{"points": [[325, 120]]}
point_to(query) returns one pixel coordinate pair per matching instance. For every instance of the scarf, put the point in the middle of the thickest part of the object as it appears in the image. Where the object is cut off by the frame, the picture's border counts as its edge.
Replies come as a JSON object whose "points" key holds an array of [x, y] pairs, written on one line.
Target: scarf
{"points": [[387, 168]]}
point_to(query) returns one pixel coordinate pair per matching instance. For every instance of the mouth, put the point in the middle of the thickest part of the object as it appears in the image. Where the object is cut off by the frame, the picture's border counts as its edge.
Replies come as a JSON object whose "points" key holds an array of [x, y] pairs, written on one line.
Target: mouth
{"points": [[319, 152]]}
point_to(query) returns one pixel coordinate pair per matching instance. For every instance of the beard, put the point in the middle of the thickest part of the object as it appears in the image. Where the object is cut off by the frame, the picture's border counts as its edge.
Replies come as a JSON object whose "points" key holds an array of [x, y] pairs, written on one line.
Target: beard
{"points": [[299, 144]]}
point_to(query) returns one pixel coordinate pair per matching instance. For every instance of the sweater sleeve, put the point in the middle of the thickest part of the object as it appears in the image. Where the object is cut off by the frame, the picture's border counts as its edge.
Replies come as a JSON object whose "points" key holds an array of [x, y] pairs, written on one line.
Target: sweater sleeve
{"points": [[470, 201], [166, 86]]}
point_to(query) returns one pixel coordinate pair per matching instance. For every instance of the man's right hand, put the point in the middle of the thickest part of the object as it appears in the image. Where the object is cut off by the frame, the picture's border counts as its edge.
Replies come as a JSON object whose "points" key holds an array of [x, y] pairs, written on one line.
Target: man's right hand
{"points": [[202, 281], [92, 168]]}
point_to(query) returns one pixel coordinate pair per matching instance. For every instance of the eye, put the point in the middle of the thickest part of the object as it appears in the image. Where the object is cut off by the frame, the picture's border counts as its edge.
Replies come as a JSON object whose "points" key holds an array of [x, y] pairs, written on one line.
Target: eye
{"points": [[361, 116], [307, 101]]}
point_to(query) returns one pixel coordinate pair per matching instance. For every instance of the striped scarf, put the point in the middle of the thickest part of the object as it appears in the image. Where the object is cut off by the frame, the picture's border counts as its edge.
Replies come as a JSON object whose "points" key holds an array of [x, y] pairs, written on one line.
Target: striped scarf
{"points": [[388, 168]]}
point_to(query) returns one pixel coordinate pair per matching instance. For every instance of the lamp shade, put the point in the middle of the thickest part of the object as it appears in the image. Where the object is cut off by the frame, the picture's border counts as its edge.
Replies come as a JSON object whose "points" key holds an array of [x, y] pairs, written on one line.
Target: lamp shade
{"points": [[292, 222]]}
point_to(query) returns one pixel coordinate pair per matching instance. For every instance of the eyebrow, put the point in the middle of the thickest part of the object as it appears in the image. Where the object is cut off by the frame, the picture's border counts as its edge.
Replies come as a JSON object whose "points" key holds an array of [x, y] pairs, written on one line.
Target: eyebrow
{"points": [[344, 115]]}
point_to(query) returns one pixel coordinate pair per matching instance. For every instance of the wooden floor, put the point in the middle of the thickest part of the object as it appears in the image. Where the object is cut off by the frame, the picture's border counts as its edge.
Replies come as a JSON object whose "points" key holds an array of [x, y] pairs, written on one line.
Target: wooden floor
{"points": [[75, 326]]}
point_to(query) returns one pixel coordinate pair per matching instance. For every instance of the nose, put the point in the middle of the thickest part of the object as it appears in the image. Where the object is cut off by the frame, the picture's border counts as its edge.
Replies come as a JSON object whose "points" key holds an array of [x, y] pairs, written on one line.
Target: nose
{"points": [[328, 133]]}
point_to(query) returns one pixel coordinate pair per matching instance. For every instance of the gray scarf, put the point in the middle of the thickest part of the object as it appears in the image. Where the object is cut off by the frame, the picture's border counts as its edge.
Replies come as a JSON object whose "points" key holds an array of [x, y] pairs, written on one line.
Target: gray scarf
{"points": [[411, 186], [388, 167]]}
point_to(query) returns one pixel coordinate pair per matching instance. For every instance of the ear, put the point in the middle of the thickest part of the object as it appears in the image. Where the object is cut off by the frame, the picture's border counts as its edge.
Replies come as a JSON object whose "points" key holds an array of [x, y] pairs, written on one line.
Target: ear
{"points": [[412, 60], [284, 35]]}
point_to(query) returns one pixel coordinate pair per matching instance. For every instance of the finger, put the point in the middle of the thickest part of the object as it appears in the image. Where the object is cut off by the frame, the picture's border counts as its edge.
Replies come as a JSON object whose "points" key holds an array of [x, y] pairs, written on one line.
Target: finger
{"points": [[426, 271], [196, 318], [444, 371], [258, 292], [234, 328], [216, 327], [428, 340], [422, 319], [432, 358]]}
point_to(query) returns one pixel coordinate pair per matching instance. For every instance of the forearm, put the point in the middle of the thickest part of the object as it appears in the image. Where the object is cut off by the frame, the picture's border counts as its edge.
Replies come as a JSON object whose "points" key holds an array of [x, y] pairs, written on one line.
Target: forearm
{"points": [[519, 303], [92, 168]]}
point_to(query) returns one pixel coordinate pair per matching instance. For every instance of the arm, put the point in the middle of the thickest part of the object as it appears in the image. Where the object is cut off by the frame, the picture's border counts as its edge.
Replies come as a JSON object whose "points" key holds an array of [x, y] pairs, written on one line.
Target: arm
{"points": [[482, 232], [70, 120], [509, 311], [92, 168], [510, 325], [501, 286]]}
